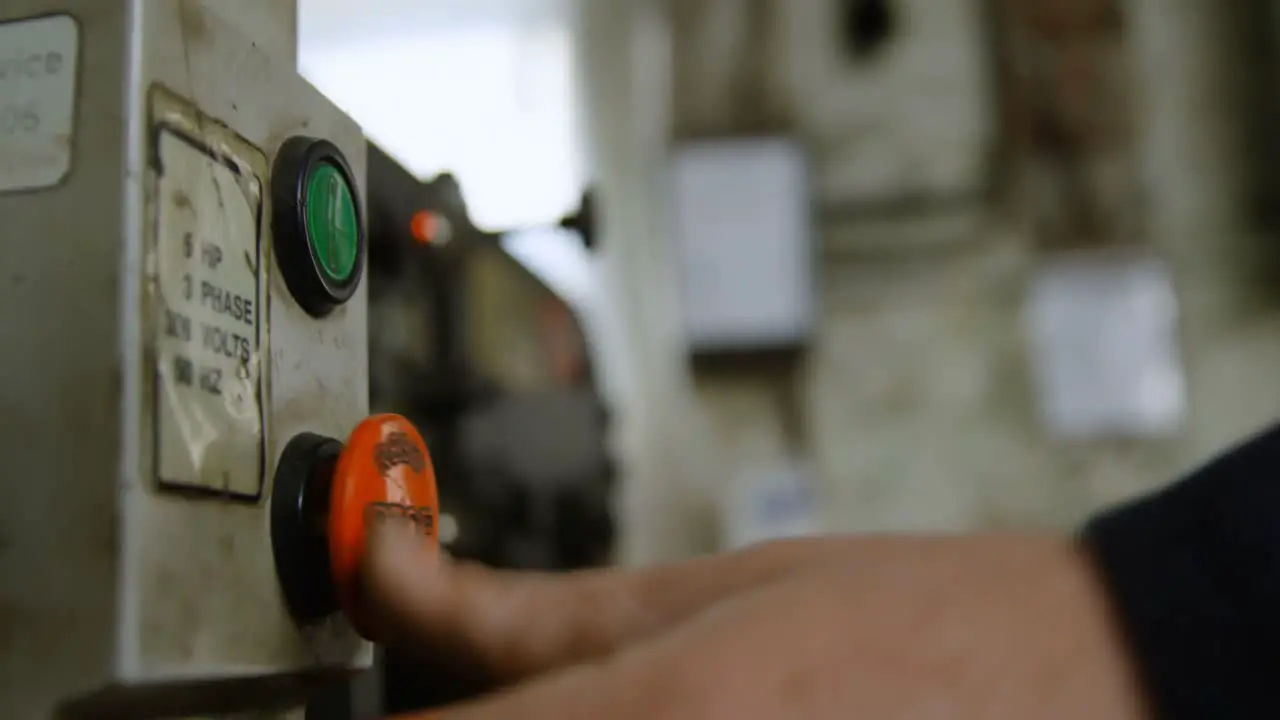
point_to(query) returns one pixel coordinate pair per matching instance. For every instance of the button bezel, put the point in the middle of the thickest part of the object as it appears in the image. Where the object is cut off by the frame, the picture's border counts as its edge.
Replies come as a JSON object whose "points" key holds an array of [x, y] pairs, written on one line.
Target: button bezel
{"points": [[299, 513], [304, 273]]}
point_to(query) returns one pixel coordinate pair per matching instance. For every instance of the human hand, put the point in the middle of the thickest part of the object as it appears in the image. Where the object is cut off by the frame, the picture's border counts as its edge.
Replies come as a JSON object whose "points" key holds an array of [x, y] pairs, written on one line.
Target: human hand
{"points": [[985, 627]]}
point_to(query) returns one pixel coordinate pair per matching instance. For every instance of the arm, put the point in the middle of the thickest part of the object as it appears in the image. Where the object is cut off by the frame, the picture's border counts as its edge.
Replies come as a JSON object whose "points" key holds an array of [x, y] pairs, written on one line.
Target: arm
{"points": [[1164, 608]]}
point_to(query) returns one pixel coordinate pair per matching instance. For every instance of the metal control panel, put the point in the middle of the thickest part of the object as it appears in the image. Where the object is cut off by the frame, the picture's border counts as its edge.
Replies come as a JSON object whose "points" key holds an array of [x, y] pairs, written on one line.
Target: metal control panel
{"points": [[181, 295]]}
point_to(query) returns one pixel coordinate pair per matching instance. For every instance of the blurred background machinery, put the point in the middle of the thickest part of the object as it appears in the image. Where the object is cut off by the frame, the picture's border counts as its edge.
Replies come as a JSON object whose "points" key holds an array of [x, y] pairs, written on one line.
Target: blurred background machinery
{"points": [[493, 366]]}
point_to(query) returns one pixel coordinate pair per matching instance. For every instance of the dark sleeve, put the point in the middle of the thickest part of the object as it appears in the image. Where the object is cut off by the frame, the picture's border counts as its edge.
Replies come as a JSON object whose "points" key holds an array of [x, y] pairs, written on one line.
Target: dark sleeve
{"points": [[1194, 575]]}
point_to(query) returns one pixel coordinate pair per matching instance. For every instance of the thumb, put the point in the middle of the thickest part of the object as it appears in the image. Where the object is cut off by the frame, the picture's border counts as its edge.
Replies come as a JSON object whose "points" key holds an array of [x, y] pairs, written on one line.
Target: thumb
{"points": [[501, 625], [507, 625]]}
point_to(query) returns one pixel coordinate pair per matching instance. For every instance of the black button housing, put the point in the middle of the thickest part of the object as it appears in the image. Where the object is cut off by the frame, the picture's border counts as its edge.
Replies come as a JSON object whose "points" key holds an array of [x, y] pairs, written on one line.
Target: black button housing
{"points": [[310, 285], [299, 515]]}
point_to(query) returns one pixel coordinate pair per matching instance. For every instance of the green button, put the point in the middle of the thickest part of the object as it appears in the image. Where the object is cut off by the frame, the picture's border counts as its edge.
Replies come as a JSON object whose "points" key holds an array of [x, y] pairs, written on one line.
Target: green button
{"points": [[331, 222]]}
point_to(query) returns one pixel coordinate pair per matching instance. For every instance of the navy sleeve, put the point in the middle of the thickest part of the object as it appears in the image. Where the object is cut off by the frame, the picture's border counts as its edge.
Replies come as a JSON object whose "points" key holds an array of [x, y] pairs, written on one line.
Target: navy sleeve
{"points": [[1194, 575]]}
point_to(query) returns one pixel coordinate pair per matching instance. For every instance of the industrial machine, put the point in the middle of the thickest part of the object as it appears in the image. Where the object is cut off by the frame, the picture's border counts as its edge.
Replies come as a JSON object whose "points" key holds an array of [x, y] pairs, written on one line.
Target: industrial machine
{"points": [[194, 261], [191, 461], [493, 367]]}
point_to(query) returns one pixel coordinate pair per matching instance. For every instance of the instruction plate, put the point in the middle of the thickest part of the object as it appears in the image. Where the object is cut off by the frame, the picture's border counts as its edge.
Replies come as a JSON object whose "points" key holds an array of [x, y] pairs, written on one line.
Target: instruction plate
{"points": [[209, 419], [37, 101]]}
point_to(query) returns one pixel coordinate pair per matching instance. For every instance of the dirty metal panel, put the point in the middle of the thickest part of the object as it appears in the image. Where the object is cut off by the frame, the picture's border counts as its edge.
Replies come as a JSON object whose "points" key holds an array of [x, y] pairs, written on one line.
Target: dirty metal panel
{"points": [[136, 596], [201, 596], [60, 330]]}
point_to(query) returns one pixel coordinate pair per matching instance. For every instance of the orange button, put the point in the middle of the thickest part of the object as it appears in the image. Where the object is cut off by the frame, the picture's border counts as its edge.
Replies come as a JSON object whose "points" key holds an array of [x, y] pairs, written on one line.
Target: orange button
{"points": [[384, 473]]}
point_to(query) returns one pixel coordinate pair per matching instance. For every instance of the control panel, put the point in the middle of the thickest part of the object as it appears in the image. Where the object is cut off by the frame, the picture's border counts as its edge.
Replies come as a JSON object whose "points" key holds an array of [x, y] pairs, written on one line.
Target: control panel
{"points": [[183, 339]]}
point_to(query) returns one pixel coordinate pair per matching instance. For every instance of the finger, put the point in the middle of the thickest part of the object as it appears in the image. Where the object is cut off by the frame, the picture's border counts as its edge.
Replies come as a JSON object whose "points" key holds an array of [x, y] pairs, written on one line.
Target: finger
{"points": [[929, 628], [508, 624], [701, 668]]}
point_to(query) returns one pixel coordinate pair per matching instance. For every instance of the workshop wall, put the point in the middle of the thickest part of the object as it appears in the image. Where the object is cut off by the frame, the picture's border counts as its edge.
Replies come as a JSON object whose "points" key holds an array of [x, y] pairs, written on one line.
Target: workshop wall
{"points": [[945, 177]]}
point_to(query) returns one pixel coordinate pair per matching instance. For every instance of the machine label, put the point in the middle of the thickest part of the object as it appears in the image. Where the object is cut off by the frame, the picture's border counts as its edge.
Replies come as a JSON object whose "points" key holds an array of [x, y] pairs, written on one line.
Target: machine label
{"points": [[209, 420], [38, 59]]}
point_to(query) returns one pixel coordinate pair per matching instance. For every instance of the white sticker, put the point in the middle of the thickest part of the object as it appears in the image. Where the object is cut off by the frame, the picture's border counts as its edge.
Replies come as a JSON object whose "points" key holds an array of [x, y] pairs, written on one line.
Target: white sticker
{"points": [[37, 101], [1105, 349], [209, 409]]}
